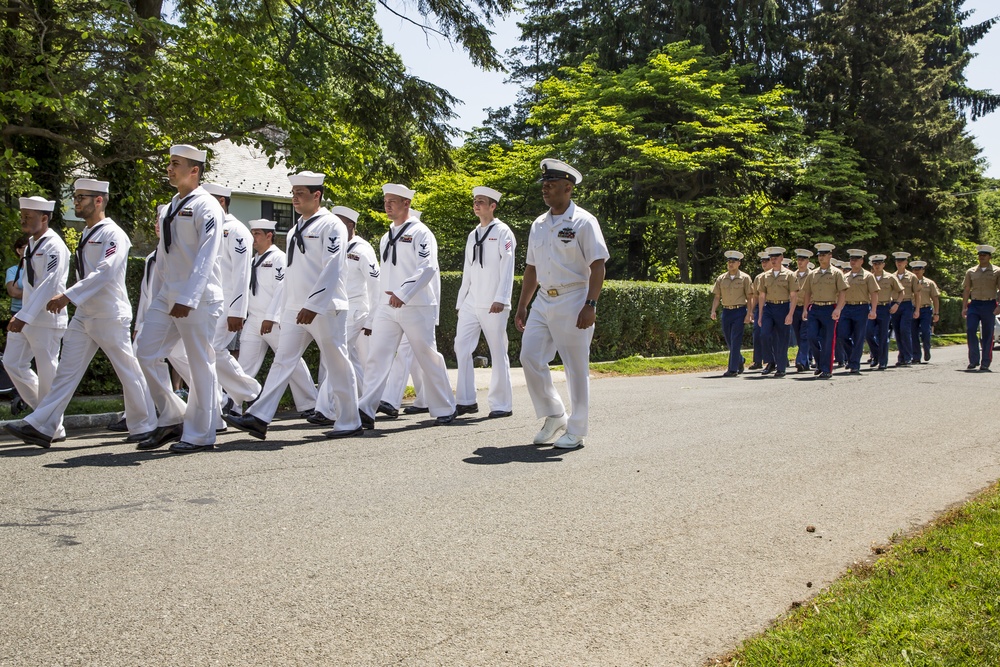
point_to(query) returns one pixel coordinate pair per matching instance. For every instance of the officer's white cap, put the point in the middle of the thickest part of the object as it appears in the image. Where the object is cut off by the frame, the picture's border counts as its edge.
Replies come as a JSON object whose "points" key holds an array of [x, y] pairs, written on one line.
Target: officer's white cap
{"points": [[37, 204], [918, 264], [483, 191], [988, 249], [307, 178], [217, 190], [91, 185], [415, 213], [803, 253], [553, 169], [190, 152], [348, 213], [876, 258], [262, 224], [825, 247], [399, 190], [734, 254], [763, 255], [774, 251], [900, 255], [811, 266], [855, 252]]}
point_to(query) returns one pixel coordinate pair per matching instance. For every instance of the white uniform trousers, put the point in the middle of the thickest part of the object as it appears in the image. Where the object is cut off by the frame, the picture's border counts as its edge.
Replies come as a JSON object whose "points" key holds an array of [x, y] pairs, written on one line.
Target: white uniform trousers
{"points": [[253, 346], [83, 337], [551, 328], [160, 333], [330, 333], [40, 344], [402, 369], [417, 323], [238, 384], [357, 345], [494, 327]]}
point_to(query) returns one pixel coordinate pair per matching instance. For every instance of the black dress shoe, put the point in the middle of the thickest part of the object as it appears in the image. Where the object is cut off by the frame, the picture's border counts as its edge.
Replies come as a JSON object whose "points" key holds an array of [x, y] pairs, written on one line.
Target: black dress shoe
{"points": [[447, 419], [387, 409], [880, 368], [161, 435], [29, 434], [119, 426], [730, 374], [367, 422], [497, 414], [971, 367], [359, 431], [230, 408], [768, 369], [779, 374], [854, 371], [872, 363], [825, 376], [740, 372], [188, 448], [982, 369], [817, 372], [414, 410], [306, 414], [755, 367], [319, 419], [139, 437], [252, 425], [467, 409]]}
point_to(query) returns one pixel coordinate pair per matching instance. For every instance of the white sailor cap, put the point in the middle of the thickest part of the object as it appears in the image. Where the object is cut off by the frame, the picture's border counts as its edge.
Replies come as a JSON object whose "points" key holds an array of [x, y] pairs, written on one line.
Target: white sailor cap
{"points": [[345, 212], [190, 152], [307, 178], [918, 264], [90, 185], [763, 255], [774, 251], [900, 255], [399, 190], [824, 247], [988, 249], [734, 254], [553, 169], [876, 258], [37, 204], [217, 190], [803, 253], [262, 224], [415, 213], [855, 252], [483, 191]]}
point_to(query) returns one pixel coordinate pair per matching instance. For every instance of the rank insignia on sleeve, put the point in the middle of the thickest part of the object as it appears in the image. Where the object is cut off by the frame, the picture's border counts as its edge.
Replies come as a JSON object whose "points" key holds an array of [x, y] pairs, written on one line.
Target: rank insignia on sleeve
{"points": [[278, 275], [53, 260], [112, 249], [240, 248], [424, 252], [209, 224], [333, 247]]}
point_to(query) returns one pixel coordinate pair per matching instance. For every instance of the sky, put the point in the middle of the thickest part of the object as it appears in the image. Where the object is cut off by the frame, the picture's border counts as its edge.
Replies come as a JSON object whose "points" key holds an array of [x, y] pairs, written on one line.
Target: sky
{"points": [[434, 59]]}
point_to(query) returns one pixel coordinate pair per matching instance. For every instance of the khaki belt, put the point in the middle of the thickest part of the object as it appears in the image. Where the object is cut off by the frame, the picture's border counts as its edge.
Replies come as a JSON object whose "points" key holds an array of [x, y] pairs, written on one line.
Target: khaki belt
{"points": [[823, 303]]}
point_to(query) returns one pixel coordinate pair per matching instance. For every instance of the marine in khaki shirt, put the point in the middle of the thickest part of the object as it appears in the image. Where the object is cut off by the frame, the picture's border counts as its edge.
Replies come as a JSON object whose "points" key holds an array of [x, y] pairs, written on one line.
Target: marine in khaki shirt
{"points": [[776, 286], [862, 288], [930, 295], [981, 282], [824, 287], [889, 287], [907, 280], [734, 289]]}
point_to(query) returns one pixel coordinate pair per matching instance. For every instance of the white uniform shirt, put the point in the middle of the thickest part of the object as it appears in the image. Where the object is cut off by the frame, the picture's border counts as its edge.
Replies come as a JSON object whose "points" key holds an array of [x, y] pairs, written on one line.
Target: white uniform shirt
{"points": [[488, 273], [269, 269], [149, 287], [191, 272], [50, 267], [362, 275], [412, 277], [315, 277], [100, 287], [563, 247], [236, 250]]}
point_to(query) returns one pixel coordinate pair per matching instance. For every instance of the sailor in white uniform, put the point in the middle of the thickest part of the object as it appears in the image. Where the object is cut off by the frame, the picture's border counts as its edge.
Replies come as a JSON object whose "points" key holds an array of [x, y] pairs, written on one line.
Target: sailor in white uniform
{"points": [[484, 305], [408, 304], [185, 308], [566, 256], [102, 318], [362, 292], [35, 332], [315, 308], [267, 273]]}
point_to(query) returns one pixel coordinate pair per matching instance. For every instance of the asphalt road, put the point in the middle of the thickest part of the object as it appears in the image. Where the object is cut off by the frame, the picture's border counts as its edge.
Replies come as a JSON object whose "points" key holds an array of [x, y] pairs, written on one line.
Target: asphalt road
{"points": [[678, 530]]}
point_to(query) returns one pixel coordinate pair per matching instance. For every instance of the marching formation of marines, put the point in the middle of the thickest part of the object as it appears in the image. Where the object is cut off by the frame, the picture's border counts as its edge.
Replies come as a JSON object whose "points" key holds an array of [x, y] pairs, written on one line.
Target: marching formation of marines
{"points": [[372, 313]]}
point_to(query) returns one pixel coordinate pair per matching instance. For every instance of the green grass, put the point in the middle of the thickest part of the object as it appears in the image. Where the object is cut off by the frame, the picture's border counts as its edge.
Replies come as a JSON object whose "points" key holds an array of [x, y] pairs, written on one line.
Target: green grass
{"points": [[931, 599], [84, 405]]}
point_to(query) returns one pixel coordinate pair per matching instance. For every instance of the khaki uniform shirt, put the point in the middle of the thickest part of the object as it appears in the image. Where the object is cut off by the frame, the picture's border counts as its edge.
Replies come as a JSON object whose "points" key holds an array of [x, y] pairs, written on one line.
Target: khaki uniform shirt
{"points": [[756, 281], [908, 281], [734, 291], [824, 287], [890, 287], [861, 286], [928, 292], [800, 281], [777, 287], [983, 284]]}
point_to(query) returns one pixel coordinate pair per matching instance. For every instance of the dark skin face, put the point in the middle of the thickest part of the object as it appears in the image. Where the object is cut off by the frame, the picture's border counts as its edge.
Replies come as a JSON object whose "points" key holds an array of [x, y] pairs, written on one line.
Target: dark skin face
{"points": [[557, 194]]}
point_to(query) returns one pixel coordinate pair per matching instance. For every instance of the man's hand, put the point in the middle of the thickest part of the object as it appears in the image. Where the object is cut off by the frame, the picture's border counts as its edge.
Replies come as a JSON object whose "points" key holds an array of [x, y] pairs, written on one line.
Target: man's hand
{"points": [[916, 314], [789, 319], [15, 325], [235, 324], [497, 307], [266, 327], [586, 318], [873, 315], [180, 310], [57, 303], [520, 319], [712, 314], [893, 308], [305, 316], [935, 318], [965, 311], [836, 314], [395, 301], [748, 319]]}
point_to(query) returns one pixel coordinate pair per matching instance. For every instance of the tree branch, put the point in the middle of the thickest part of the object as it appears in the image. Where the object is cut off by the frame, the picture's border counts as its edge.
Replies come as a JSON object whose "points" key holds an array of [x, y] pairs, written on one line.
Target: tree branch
{"points": [[425, 28]]}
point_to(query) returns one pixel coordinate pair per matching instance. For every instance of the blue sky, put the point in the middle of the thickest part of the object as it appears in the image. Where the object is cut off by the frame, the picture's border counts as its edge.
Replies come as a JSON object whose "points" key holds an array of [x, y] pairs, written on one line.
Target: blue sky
{"points": [[432, 58]]}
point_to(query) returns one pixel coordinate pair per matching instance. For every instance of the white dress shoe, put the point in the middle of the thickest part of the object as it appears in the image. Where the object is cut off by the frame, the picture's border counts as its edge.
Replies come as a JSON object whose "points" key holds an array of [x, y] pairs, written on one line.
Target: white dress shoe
{"points": [[550, 429], [569, 441]]}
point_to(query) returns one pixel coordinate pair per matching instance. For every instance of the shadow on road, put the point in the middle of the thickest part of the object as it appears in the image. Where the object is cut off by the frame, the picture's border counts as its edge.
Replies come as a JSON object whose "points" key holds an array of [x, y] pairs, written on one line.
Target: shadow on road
{"points": [[517, 454]]}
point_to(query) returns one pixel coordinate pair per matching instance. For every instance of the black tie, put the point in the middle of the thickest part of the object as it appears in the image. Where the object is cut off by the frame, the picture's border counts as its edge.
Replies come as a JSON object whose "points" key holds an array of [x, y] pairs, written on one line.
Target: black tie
{"points": [[28, 254], [17, 274], [149, 267], [296, 239], [253, 272], [80, 273], [478, 245], [392, 243], [165, 225]]}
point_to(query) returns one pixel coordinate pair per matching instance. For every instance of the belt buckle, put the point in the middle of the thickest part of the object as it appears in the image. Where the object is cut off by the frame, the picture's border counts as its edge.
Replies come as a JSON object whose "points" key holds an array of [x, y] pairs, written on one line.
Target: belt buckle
{"points": [[552, 292]]}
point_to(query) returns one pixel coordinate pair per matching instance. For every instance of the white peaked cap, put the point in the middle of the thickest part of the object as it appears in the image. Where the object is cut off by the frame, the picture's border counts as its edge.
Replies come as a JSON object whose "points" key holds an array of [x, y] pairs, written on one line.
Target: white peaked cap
{"points": [[348, 213], [36, 204], [553, 169], [876, 258], [900, 255], [484, 191], [399, 190], [855, 252], [734, 254], [979, 248], [774, 251], [803, 253], [190, 152], [308, 178], [825, 247], [918, 264], [217, 190], [763, 255], [91, 185], [262, 224]]}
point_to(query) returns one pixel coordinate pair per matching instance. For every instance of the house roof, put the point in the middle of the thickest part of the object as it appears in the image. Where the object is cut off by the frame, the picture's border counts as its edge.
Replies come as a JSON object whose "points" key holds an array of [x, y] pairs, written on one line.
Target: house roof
{"points": [[245, 170]]}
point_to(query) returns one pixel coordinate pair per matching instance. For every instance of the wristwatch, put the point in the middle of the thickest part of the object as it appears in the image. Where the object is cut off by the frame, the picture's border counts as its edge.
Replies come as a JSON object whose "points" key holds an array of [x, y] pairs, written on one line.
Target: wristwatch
{"points": [[590, 302]]}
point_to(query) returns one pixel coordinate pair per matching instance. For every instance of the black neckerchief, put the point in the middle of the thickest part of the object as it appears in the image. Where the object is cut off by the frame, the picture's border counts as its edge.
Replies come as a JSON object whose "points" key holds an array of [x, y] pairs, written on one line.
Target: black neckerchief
{"points": [[17, 273], [28, 254], [392, 243], [80, 273], [478, 245], [297, 239], [351, 247], [169, 218], [149, 268], [253, 271]]}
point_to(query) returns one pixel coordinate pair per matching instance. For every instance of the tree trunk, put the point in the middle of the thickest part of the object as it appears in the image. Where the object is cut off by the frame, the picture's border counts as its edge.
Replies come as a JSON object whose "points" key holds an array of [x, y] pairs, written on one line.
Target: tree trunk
{"points": [[682, 249], [637, 264]]}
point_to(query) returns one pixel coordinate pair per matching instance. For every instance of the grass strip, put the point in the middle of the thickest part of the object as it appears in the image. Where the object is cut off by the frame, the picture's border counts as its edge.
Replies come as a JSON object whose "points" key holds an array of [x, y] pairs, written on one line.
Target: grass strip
{"points": [[83, 405], [931, 599]]}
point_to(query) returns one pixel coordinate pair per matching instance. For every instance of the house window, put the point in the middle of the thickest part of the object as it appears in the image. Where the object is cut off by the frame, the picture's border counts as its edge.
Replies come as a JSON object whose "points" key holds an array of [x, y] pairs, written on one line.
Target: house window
{"points": [[281, 212]]}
